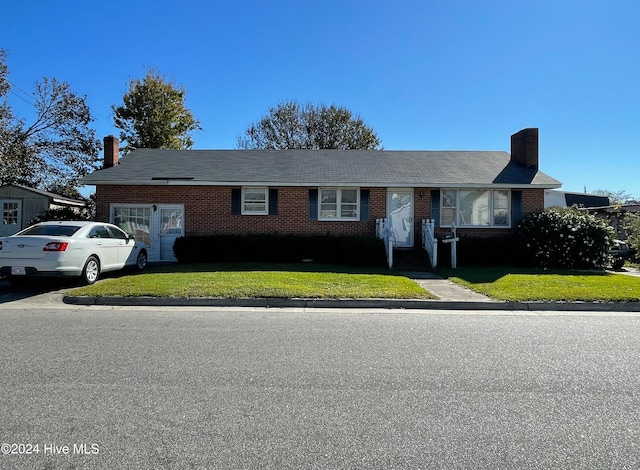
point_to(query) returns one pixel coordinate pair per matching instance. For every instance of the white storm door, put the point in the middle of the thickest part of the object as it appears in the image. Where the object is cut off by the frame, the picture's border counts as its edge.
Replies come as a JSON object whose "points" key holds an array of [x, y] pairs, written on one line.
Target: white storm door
{"points": [[400, 216], [171, 227]]}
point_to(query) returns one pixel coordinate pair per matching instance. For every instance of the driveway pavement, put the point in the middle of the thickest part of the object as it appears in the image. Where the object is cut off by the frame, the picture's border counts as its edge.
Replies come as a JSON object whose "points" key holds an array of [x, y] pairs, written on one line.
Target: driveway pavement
{"points": [[43, 292], [629, 271]]}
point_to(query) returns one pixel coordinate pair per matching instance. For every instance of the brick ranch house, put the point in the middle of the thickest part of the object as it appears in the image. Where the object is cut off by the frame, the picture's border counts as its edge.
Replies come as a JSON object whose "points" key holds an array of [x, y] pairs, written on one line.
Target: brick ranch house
{"points": [[160, 195]]}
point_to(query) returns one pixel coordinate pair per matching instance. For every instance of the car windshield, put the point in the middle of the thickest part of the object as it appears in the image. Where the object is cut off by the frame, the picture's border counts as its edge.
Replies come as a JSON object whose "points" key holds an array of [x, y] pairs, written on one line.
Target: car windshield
{"points": [[51, 230]]}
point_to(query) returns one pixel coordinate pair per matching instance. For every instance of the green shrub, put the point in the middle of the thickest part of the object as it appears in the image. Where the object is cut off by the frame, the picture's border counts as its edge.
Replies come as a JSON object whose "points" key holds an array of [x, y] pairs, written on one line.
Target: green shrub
{"points": [[346, 250], [566, 238], [63, 213], [632, 227], [483, 251]]}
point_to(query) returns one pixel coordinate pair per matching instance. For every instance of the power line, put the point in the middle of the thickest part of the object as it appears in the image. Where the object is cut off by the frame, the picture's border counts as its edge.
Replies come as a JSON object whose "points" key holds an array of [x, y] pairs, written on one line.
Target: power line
{"points": [[29, 95], [16, 86], [21, 97]]}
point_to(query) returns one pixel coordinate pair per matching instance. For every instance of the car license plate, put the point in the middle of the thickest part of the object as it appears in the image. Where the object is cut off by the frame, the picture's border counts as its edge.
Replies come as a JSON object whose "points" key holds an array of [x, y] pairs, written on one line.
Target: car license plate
{"points": [[18, 271]]}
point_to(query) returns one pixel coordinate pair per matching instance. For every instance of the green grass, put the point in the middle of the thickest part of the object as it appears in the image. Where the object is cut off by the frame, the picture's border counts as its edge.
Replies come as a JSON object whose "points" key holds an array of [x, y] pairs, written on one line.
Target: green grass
{"points": [[518, 284], [258, 281]]}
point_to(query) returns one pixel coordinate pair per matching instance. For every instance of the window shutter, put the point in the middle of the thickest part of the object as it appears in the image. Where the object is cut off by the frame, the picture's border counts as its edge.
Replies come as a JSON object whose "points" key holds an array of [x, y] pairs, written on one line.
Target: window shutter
{"points": [[236, 201], [313, 204], [364, 204], [273, 201], [435, 206], [516, 207]]}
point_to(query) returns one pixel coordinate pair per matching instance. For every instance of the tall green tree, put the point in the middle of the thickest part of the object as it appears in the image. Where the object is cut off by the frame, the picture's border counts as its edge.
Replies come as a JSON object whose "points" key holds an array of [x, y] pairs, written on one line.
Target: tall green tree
{"points": [[293, 126], [615, 197], [5, 110], [57, 147], [153, 114]]}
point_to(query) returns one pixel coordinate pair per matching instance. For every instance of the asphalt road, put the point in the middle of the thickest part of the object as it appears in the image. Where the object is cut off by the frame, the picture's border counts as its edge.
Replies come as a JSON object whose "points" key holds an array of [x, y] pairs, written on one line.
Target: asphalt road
{"points": [[287, 389]]}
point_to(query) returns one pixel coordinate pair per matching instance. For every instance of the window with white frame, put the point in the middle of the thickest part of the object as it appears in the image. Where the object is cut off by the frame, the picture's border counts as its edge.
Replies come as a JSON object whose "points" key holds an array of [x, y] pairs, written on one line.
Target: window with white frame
{"points": [[339, 203], [501, 209], [449, 205], [475, 208], [10, 213], [255, 201], [135, 220]]}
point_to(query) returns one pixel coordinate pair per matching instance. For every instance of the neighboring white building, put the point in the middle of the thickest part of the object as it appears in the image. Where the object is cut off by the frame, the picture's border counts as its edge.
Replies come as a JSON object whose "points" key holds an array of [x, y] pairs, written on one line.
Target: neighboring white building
{"points": [[20, 205], [556, 198]]}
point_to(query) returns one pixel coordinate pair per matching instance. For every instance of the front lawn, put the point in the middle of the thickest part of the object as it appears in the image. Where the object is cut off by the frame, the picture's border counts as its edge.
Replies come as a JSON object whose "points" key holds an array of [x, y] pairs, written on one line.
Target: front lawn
{"points": [[258, 281], [521, 284]]}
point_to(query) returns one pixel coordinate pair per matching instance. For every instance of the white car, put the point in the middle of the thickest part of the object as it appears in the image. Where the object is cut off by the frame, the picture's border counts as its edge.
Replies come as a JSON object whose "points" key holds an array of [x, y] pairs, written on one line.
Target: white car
{"points": [[64, 248]]}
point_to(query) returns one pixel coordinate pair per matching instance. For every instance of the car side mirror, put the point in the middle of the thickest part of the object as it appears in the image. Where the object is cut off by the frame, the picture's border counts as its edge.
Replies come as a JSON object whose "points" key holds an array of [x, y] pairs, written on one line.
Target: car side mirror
{"points": [[130, 236]]}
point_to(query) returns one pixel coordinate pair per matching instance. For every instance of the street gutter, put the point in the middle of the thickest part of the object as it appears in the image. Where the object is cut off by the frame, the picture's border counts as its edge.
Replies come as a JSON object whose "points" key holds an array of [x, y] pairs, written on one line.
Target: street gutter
{"points": [[353, 303]]}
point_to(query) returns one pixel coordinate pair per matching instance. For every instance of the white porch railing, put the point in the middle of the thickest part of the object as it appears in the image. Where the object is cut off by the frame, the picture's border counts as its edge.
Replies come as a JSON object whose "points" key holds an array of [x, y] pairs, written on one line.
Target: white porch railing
{"points": [[429, 241], [384, 231]]}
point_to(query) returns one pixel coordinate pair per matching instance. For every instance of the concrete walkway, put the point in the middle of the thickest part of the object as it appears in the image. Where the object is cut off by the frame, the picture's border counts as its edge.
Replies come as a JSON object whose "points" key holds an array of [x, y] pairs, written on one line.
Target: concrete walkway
{"points": [[445, 289]]}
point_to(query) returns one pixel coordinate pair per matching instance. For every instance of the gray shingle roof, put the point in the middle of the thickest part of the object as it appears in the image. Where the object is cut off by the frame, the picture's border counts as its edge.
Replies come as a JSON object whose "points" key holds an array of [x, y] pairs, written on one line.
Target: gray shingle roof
{"points": [[374, 168], [58, 197]]}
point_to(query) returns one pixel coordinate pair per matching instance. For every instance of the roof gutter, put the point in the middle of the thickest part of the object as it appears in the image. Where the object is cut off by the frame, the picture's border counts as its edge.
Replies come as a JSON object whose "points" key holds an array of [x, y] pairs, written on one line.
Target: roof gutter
{"points": [[69, 202], [315, 184]]}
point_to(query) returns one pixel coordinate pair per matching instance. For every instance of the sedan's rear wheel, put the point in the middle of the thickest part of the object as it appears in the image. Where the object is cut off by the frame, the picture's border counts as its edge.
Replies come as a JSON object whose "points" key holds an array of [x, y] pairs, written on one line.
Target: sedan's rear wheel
{"points": [[91, 270]]}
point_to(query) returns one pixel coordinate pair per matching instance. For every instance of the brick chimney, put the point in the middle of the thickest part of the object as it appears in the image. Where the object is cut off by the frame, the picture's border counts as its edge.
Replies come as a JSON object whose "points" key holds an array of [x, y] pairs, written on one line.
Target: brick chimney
{"points": [[524, 148], [110, 151]]}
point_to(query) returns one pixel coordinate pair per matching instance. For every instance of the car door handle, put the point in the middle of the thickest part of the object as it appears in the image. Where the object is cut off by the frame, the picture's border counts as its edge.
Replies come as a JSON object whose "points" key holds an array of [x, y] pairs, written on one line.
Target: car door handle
{"points": [[98, 243]]}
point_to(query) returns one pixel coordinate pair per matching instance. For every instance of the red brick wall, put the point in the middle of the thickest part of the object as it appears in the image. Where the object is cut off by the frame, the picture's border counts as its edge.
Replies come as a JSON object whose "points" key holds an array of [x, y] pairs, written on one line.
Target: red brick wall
{"points": [[532, 200], [208, 210]]}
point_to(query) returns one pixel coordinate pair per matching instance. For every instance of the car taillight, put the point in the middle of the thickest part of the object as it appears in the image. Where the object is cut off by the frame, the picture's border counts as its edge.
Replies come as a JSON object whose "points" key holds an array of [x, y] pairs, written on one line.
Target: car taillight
{"points": [[55, 246]]}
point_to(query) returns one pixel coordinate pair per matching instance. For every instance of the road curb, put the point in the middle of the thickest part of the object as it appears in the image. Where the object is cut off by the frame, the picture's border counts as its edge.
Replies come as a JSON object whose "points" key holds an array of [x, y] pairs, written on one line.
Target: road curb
{"points": [[354, 303]]}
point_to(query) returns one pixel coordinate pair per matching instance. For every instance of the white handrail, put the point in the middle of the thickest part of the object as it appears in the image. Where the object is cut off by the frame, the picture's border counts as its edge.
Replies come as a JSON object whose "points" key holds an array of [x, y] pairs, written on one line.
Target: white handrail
{"points": [[429, 241], [384, 231]]}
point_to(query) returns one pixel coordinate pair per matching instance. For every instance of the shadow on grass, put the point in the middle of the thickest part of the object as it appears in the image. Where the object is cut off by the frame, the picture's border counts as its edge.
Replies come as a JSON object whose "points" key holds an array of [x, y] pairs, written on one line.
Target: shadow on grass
{"points": [[279, 267], [483, 274]]}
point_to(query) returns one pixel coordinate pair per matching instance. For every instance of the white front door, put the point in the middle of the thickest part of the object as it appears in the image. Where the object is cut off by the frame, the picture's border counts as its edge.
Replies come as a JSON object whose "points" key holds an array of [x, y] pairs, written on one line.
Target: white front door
{"points": [[11, 216], [171, 227], [400, 216]]}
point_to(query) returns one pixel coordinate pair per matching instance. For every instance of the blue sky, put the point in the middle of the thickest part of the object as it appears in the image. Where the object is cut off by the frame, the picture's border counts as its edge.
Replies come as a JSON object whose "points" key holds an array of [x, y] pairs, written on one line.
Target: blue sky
{"points": [[424, 74]]}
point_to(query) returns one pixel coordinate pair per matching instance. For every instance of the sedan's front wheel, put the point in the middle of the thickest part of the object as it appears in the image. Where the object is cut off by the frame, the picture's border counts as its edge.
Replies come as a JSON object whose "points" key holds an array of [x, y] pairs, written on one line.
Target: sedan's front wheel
{"points": [[91, 270], [141, 260]]}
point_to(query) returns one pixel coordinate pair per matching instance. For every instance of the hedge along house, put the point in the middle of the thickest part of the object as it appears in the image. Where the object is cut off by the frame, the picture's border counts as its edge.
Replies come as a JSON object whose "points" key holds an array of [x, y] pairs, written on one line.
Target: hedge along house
{"points": [[159, 195]]}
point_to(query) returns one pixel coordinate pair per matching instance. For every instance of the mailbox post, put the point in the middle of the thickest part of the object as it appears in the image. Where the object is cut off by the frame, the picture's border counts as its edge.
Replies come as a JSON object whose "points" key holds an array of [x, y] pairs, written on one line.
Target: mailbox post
{"points": [[453, 239]]}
